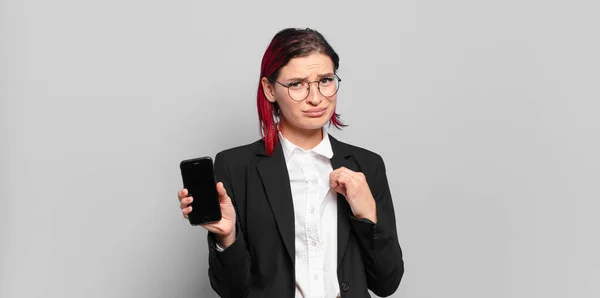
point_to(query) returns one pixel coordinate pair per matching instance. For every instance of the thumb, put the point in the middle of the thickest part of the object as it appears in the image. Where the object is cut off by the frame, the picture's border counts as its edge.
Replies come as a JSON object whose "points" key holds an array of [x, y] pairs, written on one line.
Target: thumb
{"points": [[221, 191]]}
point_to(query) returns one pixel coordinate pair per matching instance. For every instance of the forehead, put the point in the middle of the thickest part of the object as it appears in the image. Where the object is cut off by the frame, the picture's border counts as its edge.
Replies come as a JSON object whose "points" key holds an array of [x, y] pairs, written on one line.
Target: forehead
{"points": [[313, 64]]}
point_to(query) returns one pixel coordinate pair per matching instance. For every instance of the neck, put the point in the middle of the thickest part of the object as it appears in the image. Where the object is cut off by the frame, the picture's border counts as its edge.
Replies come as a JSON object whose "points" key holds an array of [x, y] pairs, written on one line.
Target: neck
{"points": [[303, 138]]}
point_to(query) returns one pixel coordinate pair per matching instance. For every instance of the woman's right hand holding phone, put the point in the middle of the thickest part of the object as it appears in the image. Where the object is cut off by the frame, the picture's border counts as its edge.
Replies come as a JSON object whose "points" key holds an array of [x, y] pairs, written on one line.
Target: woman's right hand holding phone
{"points": [[224, 229]]}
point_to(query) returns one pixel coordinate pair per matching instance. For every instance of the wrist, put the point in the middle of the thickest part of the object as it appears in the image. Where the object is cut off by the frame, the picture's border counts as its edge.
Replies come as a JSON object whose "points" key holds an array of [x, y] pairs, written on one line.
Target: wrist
{"points": [[226, 241], [369, 214]]}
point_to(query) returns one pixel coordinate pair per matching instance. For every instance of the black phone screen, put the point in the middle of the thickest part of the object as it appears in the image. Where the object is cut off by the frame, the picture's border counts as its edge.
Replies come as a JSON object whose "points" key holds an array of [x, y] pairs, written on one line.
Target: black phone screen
{"points": [[199, 179]]}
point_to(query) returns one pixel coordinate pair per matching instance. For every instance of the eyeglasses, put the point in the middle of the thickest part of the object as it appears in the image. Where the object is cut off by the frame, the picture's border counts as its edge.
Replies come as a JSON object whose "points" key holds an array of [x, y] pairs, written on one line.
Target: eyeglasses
{"points": [[299, 91]]}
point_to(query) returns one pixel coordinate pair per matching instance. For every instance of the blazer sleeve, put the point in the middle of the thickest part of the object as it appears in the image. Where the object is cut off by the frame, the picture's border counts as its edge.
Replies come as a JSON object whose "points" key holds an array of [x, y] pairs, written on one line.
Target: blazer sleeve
{"points": [[382, 256], [229, 270]]}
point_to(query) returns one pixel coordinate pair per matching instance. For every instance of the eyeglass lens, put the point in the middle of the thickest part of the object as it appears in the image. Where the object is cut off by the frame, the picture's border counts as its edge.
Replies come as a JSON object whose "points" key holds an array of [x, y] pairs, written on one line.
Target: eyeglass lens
{"points": [[327, 87]]}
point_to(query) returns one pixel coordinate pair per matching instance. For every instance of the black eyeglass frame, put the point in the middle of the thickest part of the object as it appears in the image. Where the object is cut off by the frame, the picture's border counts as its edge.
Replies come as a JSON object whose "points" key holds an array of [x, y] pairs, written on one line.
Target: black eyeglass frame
{"points": [[308, 87]]}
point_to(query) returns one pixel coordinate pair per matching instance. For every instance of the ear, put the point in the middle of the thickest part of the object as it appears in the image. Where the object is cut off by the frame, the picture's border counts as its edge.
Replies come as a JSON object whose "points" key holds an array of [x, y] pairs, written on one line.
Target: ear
{"points": [[268, 89]]}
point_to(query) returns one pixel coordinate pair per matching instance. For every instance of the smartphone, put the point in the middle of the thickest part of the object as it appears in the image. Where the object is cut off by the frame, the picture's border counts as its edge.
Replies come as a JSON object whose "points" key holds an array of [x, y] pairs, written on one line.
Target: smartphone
{"points": [[198, 177]]}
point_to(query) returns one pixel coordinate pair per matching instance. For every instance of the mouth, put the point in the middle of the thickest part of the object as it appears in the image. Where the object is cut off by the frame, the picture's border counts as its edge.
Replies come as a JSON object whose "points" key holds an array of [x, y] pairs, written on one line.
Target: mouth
{"points": [[314, 113]]}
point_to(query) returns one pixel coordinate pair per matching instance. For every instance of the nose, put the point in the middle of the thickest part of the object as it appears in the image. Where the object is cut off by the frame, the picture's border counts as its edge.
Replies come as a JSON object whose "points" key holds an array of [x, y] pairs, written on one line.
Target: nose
{"points": [[314, 96]]}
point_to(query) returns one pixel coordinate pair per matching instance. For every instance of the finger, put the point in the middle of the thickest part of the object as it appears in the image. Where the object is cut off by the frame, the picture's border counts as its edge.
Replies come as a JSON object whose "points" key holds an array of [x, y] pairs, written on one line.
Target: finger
{"points": [[353, 174], [340, 177], [333, 183], [341, 191], [355, 178], [337, 184], [344, 179], [182, 193], [349, 172], [342, 168], [335, 172], [341, 172], [333, 176], [335, 180], [186, 211], [186, 201], [222, 191]]}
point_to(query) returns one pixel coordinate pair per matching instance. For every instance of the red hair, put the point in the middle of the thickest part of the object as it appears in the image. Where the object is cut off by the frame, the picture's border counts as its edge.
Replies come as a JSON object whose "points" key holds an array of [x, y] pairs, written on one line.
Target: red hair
{"points": [[286, 45]]}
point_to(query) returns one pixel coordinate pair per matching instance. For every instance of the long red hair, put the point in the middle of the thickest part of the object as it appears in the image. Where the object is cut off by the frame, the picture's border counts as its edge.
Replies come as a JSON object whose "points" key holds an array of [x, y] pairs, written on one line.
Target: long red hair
{"points": [[287, 44]]}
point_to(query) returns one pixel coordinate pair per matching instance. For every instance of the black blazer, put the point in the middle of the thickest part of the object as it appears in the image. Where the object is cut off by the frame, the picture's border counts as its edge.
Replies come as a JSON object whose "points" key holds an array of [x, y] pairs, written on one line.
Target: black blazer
{"points": [[260, 263]]}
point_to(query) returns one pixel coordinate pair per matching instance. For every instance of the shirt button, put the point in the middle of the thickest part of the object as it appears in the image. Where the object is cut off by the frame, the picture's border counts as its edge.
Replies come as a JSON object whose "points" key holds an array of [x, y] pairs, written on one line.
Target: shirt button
{"points": [[314, 243], [316, 277], [345, 286], [375, 236]]}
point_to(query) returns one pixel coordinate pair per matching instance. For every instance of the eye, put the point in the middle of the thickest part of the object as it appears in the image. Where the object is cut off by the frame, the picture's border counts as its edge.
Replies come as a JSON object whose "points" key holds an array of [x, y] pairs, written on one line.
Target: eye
{"points": [[297, 85], [326, 81]]}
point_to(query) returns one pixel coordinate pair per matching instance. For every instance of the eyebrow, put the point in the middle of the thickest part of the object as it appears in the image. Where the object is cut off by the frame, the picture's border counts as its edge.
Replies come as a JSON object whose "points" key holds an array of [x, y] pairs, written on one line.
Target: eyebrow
{"points": [[304, 79]]}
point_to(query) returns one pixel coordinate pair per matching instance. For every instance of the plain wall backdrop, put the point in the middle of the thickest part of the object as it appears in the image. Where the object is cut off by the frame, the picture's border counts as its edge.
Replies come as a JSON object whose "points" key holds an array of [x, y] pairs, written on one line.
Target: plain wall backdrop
{"points": [[485, 112]]}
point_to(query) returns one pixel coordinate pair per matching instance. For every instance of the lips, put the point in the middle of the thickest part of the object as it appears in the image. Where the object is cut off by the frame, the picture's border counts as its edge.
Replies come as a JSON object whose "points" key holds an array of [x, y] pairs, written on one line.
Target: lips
{"points": [[315, 112]]}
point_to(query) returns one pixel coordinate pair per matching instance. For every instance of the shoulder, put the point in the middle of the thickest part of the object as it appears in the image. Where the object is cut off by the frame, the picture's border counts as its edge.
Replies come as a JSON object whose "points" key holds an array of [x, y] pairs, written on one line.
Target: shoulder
{"points": [[359, 153], [239, 155]]}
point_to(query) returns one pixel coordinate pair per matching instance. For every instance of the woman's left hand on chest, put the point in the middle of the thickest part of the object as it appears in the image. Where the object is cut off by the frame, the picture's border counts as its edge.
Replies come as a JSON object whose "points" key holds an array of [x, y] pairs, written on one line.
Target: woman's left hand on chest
{"points": [[353, 186]]}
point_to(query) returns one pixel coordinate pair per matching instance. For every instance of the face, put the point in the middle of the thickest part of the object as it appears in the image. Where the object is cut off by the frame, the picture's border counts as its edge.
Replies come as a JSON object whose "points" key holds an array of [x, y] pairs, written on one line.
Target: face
{"points": [[313, 112]]}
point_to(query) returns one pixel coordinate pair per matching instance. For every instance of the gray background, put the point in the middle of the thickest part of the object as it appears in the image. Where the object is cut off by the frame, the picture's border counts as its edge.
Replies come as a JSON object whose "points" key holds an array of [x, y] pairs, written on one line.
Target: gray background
{"points": [[486, 113]]}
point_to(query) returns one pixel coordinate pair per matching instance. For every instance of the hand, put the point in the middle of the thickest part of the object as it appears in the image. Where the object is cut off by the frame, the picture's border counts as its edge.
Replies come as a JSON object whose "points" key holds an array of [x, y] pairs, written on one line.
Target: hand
{"points": [[353, 186], [223, 229]]}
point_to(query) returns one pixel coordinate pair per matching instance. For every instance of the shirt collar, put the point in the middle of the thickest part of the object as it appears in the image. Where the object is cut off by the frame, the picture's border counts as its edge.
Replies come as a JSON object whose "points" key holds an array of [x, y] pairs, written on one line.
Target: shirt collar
{"points": [[323, 148]]}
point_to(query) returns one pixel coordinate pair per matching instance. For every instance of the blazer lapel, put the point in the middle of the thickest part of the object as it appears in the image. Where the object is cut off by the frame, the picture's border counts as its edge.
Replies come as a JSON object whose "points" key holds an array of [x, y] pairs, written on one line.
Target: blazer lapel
{"points": [[342, 157], [275, 179]]}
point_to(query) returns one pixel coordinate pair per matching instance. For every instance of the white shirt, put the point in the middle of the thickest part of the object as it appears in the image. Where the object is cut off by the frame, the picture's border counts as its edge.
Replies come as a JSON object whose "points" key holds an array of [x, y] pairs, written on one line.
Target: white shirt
{"points": [[315, 218]]}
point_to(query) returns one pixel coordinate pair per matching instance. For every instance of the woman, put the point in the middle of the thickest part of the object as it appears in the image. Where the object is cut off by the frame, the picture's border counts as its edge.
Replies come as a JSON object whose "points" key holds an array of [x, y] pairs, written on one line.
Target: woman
{"points": [[303, 214]]}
